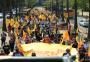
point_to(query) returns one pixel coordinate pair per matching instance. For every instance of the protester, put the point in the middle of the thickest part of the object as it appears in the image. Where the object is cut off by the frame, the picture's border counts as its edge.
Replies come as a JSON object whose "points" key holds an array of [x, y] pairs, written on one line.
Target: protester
{"points": [[17, 53], [46, 39], [6, 49], [52, 37], [2, 53], [9, 28], [67, 53], [33, 54], [82, 52], [75, 44], [39, 26], [12, 42], [3, 38], [86, 45], [38, 36]]}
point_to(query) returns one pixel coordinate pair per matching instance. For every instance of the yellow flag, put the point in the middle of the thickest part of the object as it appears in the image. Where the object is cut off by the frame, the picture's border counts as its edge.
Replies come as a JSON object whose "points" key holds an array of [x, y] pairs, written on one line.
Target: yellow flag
{"points": [[40, 16], [24, 35], [71, 47], [54, 31], [43, 17], [66, 36], [16, 24], [34, 27], [77, 38], [80, 43], [28, 30], [26, 17], [12, 22], [16, 33], [7, 22], [89, 50]]}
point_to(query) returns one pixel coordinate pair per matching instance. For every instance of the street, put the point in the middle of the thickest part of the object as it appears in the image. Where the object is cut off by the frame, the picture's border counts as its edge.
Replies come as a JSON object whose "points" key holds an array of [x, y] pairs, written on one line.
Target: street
{"points": [[45, 28], [83, 30]]}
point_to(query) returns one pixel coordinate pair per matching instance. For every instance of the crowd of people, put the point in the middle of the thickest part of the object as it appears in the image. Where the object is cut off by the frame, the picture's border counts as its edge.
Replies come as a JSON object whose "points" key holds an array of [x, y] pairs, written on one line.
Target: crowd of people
{"points": [[37, 28]]}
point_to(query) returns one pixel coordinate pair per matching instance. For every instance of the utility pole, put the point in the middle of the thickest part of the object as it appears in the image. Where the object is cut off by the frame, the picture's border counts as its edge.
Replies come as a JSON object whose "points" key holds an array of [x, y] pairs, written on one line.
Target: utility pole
{"points": [[75, 21]]}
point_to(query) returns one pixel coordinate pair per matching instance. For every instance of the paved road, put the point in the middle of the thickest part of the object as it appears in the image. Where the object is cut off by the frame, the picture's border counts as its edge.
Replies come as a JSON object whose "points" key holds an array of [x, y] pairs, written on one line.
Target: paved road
{"points": [[83, 30]]}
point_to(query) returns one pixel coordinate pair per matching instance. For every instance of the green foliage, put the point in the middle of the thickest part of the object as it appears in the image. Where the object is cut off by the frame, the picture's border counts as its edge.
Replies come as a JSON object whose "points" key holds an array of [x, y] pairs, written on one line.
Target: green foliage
{"points": [[82, 4], [31, 2]]}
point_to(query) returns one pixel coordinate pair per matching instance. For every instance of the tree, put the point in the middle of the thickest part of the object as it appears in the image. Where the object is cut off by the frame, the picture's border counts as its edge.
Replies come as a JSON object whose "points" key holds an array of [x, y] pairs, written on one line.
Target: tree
{"points": [[62, 10], [68, 10], [75, 23], [31, 3], [5, 5]]}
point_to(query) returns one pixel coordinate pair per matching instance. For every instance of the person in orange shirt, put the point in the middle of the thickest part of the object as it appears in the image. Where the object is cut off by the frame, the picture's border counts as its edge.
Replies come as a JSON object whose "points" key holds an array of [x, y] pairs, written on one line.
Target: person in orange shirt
{"points": [[46, 39]]}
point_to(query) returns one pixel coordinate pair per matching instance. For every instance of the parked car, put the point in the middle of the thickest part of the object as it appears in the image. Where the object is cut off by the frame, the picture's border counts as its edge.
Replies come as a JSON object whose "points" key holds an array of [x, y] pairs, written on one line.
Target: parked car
{"points": [[84, 23]]}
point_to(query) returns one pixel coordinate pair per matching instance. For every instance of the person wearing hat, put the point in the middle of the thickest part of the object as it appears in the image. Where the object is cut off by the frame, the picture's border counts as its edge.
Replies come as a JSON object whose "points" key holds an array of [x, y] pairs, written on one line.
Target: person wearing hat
{"points": [[67, 53], [12, 41]]}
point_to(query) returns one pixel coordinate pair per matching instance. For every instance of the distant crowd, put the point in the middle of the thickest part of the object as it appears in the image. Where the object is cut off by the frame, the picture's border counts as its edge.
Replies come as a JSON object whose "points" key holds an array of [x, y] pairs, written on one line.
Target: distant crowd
{"points": [[38, 28]]}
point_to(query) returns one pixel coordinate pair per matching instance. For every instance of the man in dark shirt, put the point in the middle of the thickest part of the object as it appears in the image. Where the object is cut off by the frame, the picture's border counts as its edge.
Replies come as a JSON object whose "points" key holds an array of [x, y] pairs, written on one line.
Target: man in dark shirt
{"points": [[3, 38], [82, 52], [75, 44], [67, 53], [6, 49], [12, 41], [17, 53]]}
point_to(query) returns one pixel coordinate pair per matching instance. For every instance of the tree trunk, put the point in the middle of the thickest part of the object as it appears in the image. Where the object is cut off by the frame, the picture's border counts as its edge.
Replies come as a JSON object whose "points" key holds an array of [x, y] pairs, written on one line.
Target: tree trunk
{"points": [[68, 10], [4, 22], [75, 21], [82, 12], [62, 15], [57, 8], [89, 23], [10, 9]]}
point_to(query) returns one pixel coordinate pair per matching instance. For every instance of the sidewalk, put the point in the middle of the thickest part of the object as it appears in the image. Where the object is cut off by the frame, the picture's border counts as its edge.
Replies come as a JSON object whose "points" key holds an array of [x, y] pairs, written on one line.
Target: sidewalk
{"points": [[84, 13]]}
